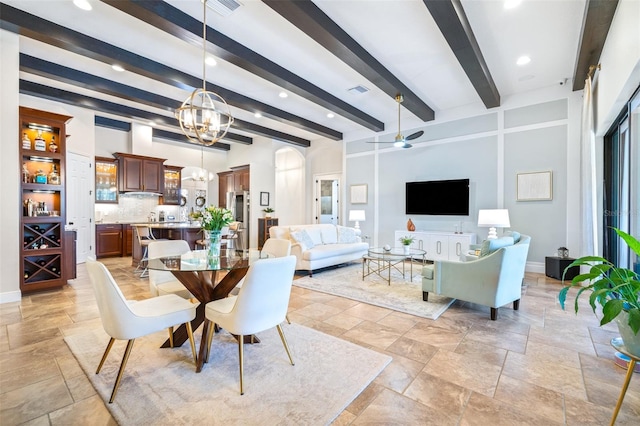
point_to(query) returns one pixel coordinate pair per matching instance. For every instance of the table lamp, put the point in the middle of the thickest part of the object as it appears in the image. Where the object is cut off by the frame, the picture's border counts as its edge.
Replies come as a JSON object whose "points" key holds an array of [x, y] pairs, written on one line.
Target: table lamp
{"points": [[356, 216], [492, 219]]}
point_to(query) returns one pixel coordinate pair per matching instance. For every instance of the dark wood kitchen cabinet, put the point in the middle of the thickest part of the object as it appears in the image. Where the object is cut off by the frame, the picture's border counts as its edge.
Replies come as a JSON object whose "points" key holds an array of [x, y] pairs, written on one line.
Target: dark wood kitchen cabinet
{"points": [[108, 240], [140, 174]]}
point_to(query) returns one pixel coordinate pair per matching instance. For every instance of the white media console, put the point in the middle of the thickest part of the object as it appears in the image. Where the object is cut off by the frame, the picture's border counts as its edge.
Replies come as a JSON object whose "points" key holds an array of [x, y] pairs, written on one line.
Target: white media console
{"points": [[439, 245]]}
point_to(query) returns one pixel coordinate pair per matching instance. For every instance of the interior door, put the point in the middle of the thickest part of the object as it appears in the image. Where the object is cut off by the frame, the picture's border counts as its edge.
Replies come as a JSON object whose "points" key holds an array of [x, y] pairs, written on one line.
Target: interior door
{"points": [[80, 202], [327, 200]]}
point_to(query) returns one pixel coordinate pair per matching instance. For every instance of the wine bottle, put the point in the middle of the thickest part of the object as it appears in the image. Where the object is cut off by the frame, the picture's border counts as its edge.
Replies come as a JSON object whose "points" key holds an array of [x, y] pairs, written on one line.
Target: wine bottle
{"points": [[36, 227], [41, 262], [26, 275], [54, 269]]}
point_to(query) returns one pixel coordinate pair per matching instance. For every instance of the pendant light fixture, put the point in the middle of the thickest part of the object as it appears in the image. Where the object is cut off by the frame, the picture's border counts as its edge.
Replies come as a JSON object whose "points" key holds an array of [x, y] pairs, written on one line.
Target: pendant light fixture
{"points": [[203, 175], [199, 119]]}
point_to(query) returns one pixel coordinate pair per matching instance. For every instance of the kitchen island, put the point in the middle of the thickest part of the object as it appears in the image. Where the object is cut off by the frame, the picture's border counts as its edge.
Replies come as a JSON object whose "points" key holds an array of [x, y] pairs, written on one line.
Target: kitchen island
{"points": [[118, 239], [188, 231]]}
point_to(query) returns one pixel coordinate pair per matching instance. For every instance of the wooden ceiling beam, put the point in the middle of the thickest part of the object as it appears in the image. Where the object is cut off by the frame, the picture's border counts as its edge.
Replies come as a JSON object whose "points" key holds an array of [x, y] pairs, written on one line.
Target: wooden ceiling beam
{"points": [[596, 21], [454, 26], [312, 21], [31, 26], [183, 26]]}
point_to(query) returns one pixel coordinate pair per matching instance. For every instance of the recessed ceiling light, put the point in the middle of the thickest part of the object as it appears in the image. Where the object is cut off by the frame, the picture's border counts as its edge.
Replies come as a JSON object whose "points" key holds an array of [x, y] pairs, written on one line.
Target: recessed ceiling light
{"points": [[257, 115], [523, 60], [283, 94], [117, 67], [83, 4], [510, 4], [330, 115], [211, 61]]}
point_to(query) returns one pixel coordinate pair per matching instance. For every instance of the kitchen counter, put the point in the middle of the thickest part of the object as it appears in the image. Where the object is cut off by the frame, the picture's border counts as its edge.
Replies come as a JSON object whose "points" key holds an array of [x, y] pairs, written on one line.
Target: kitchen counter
{"points": [[167, 225], [158, 225]]}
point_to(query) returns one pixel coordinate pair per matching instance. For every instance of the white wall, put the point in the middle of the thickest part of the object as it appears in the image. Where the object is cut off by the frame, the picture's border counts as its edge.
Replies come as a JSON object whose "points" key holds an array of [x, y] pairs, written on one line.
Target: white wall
{"points": [[535, 131], [10, 183]]}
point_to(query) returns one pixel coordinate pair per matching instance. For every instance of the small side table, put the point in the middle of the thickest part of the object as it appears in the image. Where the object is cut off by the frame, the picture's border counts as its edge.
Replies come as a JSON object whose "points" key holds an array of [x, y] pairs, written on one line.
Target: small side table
{"points": [[554, 267], [620, 347]]}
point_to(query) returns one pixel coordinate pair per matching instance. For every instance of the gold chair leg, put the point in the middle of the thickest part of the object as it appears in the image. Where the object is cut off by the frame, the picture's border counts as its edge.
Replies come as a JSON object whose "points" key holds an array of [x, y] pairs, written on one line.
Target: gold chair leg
{"points": [[193, 343], [125, 358], [212, 327], [170, 337], [625, 386], [284, 342], [241, 358], [104, 356]]}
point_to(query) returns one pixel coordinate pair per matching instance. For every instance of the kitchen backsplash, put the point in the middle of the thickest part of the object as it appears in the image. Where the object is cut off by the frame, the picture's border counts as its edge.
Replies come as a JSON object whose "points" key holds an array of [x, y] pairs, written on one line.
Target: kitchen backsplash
{"points": [[137, 208]]}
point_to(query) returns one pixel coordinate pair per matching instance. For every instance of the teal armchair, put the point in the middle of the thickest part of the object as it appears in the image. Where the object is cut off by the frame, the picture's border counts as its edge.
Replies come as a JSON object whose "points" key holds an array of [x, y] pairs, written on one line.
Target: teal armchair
{"points": [[493, 280]]}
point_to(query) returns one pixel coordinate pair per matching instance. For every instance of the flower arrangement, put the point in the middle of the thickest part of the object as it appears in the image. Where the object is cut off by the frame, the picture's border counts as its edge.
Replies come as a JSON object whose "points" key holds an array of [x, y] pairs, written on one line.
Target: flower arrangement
{"points": [[406, 240], [213, 218]]}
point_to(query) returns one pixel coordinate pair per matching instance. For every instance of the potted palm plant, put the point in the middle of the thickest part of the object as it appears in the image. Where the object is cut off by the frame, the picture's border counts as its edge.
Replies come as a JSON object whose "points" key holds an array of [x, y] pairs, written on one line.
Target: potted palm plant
{"points": [[267, 212], [615, 290]]}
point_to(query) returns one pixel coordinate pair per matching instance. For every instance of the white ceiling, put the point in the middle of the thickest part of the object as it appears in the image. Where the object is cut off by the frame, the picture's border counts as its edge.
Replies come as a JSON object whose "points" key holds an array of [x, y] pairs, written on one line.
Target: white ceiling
{"points": [[400, 34]]}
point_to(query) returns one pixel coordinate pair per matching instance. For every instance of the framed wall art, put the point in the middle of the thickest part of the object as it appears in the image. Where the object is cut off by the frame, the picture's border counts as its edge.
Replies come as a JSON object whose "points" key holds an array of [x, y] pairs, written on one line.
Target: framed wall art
{"points": [[358, 194], [264, 198], [534, 186]]}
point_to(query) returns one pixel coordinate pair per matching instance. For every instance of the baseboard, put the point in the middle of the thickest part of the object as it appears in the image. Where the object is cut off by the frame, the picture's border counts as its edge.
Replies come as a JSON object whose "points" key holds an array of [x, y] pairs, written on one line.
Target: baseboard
{"points": [[10, 296], [534, 267]]}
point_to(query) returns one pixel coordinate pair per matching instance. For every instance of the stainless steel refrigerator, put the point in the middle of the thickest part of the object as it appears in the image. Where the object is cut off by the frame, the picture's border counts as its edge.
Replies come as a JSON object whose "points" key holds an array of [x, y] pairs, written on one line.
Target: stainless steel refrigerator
{"points": [[238, 203]]}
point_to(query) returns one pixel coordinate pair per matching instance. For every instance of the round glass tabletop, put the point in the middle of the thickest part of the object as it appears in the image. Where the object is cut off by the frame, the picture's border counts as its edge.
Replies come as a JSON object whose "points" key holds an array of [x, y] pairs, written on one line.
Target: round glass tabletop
{"points": [[198, 260], [396, 251]]}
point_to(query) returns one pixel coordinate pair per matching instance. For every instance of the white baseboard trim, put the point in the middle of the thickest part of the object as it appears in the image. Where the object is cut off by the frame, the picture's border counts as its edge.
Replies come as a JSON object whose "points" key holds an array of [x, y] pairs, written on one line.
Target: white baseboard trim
{"points": [[10, 296], [534, 267]]}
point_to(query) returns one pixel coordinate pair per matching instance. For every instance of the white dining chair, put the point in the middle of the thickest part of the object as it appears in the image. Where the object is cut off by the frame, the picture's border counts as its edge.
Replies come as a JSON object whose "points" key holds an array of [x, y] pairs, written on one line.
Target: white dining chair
{"points": [[164, 282], [277, 247], [274, 247], [261, 304], [124, 319]]}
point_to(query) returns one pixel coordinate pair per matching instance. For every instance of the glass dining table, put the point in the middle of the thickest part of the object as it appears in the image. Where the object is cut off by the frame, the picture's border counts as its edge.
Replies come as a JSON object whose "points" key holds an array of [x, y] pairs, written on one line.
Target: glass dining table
{"points": [[207, 279]]}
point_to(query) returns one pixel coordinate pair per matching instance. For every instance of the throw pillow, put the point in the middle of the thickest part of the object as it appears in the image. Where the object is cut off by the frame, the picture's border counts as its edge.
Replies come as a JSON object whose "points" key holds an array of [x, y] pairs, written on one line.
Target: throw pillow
{"points": [[346, 235], [302, 237], [514, 234], [489, 246]]}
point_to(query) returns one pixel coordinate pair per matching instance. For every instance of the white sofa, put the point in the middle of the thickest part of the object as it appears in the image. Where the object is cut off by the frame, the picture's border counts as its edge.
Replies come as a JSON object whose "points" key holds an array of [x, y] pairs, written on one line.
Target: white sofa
{"points": [[320, 245]]}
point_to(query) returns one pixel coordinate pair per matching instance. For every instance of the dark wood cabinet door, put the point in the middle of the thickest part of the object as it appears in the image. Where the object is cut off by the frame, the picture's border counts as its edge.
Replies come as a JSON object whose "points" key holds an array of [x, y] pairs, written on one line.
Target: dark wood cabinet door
{"points": [[152, 176], [131, 176], [108, 240]]}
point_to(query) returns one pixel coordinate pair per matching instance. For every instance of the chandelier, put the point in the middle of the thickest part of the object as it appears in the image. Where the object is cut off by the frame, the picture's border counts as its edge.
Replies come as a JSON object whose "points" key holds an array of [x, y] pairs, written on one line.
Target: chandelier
{"points": [[199, 119]]}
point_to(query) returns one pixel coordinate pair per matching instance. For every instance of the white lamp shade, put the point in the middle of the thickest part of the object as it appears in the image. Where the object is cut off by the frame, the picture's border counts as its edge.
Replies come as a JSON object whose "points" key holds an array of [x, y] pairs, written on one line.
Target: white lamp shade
{"points": [[495, 218], [356, 215]]}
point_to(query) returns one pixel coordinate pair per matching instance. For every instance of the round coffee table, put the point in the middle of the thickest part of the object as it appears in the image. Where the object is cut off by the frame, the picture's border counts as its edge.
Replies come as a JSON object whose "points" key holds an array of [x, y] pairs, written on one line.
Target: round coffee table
{"points": [[378, 260]]}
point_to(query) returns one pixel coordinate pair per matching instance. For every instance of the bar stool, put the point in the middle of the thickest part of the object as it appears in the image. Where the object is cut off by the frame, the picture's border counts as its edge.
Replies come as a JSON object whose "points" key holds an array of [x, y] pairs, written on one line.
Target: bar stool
{"points": [[145, 236]]}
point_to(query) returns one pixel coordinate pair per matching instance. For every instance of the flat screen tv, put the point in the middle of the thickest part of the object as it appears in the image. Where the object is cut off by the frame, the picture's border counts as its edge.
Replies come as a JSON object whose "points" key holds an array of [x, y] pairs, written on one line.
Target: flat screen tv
{"points": [[438, 197]]}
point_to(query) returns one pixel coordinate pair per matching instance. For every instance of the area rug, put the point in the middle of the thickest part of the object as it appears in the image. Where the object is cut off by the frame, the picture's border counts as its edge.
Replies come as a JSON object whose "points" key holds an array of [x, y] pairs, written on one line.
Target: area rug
{"points": [[161, 387], [402, 295]]}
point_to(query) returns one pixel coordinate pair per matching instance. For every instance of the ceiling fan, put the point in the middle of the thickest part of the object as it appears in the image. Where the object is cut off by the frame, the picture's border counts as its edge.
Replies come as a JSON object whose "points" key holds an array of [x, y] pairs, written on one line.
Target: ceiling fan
{"points": [[400, 141]]}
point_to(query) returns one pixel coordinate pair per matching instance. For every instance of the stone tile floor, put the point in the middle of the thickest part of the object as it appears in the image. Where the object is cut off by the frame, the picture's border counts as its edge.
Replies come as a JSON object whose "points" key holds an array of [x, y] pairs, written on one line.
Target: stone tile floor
{"points": [[536, 366]]}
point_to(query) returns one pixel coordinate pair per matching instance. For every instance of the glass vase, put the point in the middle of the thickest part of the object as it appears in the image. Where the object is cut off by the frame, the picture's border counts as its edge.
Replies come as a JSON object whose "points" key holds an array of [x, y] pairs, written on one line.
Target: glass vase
{"points": [[214, 243]]}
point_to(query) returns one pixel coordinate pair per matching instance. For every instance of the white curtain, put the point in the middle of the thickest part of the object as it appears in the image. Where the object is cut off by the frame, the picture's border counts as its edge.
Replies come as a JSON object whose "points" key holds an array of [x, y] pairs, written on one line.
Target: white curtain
{"points": [[588, 175]]}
